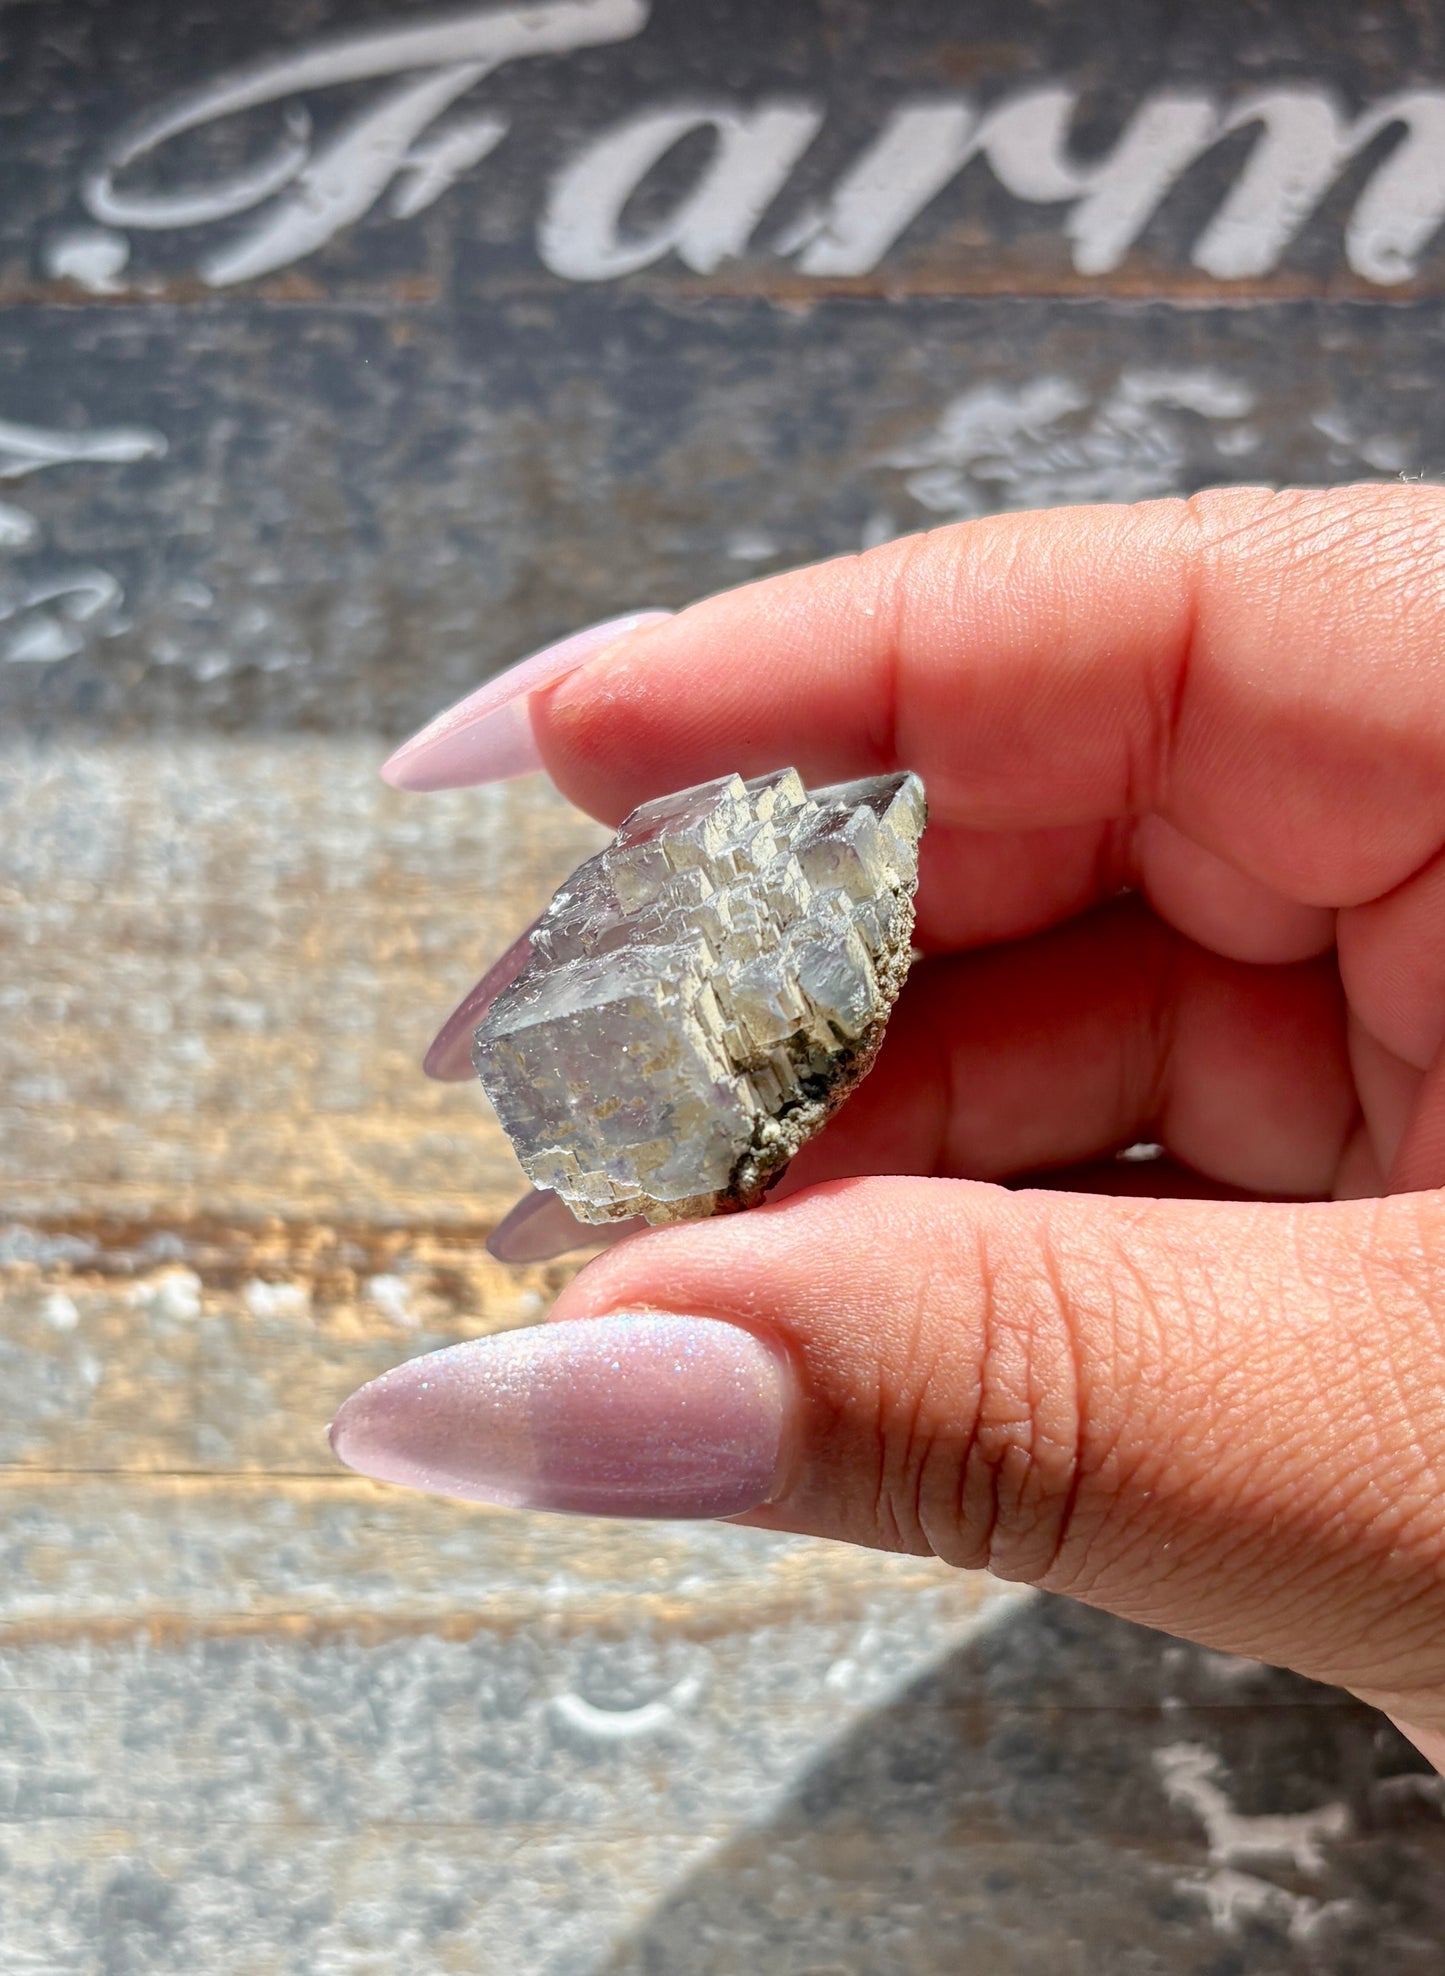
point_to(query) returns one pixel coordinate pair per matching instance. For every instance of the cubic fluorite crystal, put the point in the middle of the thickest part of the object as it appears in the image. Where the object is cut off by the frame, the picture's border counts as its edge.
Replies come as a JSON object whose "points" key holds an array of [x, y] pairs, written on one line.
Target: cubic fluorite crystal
{"points": [[703, 994]]}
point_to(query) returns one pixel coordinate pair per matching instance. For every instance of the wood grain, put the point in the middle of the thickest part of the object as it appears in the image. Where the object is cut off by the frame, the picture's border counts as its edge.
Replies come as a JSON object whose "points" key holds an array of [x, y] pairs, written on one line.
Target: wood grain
{"points": [[259, 1717], [227, 960], [258, 1714]]}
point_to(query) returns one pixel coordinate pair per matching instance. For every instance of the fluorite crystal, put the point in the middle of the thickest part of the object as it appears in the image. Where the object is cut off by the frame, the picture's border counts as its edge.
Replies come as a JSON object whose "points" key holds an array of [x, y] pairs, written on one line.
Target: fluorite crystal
{"points": [[703, 994]]}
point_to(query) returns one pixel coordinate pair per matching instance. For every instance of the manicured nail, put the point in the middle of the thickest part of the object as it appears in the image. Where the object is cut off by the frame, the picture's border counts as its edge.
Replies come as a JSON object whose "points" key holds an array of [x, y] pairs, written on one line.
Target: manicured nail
{"points": [[488, 736], [449, 1059], [646, 1415], [542, 1226]]}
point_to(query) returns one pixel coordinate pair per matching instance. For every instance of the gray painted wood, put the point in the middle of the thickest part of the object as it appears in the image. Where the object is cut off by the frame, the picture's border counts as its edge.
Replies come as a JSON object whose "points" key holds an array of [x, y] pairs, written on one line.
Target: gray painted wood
{"points": [[257, 1716]]}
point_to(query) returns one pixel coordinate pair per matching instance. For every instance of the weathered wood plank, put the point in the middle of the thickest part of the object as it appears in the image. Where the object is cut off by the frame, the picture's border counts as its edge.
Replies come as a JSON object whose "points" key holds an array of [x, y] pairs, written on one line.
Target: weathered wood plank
{"points": [[222, 962], [258, 518], [177, 1557], [343, 537], [165, 1375], [1035, 1789], [562, 125]]}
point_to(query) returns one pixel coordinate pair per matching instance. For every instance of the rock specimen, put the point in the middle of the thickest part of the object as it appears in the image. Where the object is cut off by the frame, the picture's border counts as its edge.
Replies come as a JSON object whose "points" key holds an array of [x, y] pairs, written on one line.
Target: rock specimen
{"points": [[703, 994]]}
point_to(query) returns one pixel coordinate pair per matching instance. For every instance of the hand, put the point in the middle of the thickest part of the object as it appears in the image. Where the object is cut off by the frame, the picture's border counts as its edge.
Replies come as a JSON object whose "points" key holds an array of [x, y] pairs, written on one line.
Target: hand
{"points": [[1183, 882]]}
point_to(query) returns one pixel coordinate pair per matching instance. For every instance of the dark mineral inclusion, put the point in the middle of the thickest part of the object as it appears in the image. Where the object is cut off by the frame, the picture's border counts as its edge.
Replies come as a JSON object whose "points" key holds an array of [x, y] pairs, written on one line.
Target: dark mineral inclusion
{"points": [[703, 994]]}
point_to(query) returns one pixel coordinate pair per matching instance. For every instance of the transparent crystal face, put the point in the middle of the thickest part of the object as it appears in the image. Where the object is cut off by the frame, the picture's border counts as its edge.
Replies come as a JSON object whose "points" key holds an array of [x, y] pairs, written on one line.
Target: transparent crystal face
{"points": [[701, 995]]}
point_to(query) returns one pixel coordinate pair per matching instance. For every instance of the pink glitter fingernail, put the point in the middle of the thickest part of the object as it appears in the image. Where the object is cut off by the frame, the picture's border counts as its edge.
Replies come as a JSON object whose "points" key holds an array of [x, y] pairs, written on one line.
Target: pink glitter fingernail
{"points": [[630, 1415], [488, 736], [541, 1226], [449, 1058]]}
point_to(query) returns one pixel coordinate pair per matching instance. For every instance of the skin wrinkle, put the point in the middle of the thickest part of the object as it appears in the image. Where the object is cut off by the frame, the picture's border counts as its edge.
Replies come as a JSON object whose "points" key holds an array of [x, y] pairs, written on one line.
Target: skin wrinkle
{"points": [[1425, 1640], [1228, 516], [1295, 532], [987, 540], [1189, 540], [1341, 1526], [825, 1414], [1029, 1469], [890, 1537], [966, 1545], [1072, 1358], [918, 1383], [1291, 1411], [897, 1385], [1361, 1658], [1421, 1283], [1316, 533], [1313, 531], [946, 1453], [1195, 1308], [876, 1405], [1342, 1516], [1234, 1506], [1139, 741], [1145, 1304], [1355, 1345], [1406, 558]]}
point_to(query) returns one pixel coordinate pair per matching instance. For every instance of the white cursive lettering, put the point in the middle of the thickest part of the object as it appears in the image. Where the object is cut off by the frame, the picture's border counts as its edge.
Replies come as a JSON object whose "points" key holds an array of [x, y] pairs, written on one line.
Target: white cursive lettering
{"points": [[1049, 441], [753, 153], [48, 618], [428, 169], [27, 448], [326, 190], [406, 139], [1305, 144], [1026, 143], [919, 150]]}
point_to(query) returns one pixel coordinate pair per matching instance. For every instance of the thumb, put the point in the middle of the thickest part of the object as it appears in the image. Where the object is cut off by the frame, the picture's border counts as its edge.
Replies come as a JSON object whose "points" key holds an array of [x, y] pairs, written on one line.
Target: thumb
{"points": [[1222, 1420]]}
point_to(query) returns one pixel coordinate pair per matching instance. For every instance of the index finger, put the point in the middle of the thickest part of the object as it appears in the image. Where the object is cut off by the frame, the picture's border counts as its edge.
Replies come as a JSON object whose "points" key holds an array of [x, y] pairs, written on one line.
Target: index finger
{"points": [[1264, 669]]}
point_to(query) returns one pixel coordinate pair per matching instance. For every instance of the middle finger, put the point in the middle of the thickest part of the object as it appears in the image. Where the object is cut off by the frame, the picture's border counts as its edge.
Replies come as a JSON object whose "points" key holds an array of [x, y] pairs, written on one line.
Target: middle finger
{"points": [[1065, 1046]]}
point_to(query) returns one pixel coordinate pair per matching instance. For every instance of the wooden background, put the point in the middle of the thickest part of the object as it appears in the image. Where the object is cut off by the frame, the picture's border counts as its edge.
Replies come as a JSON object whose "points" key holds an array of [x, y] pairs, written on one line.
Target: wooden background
{"points": [[257, 1715]]}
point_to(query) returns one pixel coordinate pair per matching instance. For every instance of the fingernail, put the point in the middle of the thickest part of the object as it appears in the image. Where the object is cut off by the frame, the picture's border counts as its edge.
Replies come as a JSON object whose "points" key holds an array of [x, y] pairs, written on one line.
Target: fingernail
{"points": [[542, 1226], [449, 1058], [488, 736], [645, 1415]]}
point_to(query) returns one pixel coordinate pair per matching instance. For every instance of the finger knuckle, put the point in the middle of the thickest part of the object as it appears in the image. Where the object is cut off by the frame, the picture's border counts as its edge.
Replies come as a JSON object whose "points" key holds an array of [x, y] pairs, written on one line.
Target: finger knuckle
{"points": [[997, 1482]]}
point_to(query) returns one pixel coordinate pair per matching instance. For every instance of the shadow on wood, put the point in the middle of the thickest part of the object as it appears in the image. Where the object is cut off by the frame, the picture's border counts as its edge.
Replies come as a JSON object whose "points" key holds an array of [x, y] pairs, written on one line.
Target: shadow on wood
{"points": [[1073, 1794]]}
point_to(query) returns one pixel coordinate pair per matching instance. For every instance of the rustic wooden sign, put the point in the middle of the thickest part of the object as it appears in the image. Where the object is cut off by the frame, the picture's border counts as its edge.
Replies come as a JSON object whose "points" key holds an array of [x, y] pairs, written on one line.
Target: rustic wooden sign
{"points": [[349, 350]]}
